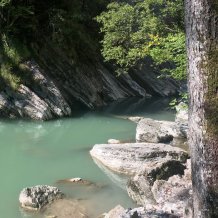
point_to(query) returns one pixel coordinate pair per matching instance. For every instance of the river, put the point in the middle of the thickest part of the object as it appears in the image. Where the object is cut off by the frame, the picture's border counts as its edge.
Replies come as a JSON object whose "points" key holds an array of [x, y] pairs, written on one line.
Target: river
{"points": [[34, 153]]}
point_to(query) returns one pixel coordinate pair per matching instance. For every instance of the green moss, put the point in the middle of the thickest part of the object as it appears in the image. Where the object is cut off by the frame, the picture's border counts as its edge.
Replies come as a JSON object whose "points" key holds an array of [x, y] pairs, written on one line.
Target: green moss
{"points": [[13, 53], [215, 7], [9, 77], [211, 97], [14, 50]]}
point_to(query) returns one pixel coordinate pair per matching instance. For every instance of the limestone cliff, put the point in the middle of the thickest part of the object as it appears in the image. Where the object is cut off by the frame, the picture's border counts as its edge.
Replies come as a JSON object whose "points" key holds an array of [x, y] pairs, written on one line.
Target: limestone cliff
{"points": [[58, 87]]}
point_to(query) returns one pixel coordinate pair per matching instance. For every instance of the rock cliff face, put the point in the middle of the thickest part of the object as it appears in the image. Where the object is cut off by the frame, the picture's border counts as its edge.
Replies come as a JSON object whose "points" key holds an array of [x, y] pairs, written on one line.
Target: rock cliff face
{"points": [[57, 86], [41, 99]]}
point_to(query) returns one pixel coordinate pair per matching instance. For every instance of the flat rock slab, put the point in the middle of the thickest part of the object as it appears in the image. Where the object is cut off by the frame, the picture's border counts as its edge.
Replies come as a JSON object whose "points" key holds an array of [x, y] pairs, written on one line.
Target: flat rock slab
{"points": [[127, 158]]}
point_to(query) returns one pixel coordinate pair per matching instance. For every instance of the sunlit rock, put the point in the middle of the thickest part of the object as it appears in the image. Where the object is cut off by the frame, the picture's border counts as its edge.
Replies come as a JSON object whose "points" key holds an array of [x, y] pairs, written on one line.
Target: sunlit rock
{"points": [[113, 141], [139, 187], [127, 158], [170, 191], [34, 198], [154, 131], [135, 119]]}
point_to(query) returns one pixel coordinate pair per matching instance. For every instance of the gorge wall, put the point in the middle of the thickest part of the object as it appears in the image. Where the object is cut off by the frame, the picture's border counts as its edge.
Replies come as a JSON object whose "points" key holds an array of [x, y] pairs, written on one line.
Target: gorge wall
{"points": [[63, 69], [56, 87]]}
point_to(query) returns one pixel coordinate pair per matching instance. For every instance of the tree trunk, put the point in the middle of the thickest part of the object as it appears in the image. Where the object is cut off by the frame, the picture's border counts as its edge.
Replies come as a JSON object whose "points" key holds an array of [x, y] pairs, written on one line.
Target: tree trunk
{"points": [[202, 48]]}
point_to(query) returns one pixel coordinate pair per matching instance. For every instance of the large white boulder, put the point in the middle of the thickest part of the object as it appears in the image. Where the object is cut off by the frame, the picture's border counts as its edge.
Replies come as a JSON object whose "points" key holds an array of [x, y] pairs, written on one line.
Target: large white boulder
{"points": [[127, 158]]}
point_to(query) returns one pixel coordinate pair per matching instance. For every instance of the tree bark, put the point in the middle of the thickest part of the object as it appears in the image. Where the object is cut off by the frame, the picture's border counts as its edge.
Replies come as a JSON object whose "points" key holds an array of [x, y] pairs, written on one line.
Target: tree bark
{"points": [[202, 49]]}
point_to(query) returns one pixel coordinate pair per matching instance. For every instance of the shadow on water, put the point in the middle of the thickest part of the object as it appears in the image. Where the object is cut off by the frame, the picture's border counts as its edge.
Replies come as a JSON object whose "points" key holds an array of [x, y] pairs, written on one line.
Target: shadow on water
{"points": [[157, 108]]}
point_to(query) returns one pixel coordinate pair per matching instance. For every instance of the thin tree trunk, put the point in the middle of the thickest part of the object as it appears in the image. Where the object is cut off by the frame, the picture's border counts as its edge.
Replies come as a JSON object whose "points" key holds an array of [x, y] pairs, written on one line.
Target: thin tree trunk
{"points": [[202, 48]]}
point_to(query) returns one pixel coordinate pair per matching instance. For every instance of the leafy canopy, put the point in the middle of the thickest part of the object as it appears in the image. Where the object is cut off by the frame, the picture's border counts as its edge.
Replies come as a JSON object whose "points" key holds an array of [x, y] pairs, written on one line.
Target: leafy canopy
{"points": [[4, 2], [155, 28]]}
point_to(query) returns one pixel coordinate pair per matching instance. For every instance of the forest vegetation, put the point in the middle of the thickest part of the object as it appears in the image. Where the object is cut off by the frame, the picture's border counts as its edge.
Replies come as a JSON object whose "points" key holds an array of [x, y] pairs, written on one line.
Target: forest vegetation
{"points": [[125, 32]]}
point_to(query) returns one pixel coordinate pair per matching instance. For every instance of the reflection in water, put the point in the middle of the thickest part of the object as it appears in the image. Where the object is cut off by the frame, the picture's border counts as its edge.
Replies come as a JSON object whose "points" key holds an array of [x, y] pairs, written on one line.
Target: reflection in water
{"points": [[157, 108]]}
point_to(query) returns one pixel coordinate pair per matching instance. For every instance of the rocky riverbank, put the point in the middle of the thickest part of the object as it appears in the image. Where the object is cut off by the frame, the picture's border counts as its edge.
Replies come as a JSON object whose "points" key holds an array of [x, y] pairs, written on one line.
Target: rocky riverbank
{"points": [[160, 174], [157, 177]]}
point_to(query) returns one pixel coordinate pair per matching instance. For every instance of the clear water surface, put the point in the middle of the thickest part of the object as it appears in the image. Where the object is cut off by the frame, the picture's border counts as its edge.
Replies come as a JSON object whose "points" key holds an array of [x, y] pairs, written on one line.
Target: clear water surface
{"points": [[33, 153]]}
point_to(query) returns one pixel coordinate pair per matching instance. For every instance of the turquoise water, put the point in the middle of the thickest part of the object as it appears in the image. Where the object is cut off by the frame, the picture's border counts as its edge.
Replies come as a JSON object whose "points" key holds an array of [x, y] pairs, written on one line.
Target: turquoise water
{"points": [[33, 153]]}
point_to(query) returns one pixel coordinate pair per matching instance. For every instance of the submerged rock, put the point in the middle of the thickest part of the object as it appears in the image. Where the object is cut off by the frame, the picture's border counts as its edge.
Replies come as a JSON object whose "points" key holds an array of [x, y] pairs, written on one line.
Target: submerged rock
{"points": [[154, 131], [80, 182], [65, 208], [127, 158], [36, 197], [76, 180]]}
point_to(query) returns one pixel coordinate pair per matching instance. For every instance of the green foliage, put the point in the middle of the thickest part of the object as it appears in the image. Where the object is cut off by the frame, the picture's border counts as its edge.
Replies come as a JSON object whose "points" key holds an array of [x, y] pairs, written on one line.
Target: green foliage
{"points": [[3, 3], [13, 53], [183, 97], [16, 17], [11, 79], [14, 50], [152, 28], [68, 32], [67, 25], [131, 31], [120, 41], [71, 27], [171, 50]]}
